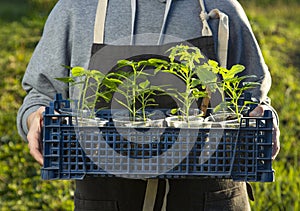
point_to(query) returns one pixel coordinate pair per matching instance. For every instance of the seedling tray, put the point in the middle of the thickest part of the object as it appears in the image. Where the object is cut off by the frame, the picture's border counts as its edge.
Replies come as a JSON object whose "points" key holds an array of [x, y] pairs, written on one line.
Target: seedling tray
{"points": [[73, 152]]}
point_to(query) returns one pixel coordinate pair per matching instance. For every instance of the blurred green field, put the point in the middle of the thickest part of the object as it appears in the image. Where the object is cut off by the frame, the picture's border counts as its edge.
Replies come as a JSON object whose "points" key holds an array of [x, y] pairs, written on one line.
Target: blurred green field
{"points": [[276, 26]]}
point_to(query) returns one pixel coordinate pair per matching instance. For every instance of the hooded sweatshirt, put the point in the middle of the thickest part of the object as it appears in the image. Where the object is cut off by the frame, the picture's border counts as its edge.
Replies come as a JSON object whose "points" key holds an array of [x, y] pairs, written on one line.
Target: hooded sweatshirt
{"points": [[67, 39]]}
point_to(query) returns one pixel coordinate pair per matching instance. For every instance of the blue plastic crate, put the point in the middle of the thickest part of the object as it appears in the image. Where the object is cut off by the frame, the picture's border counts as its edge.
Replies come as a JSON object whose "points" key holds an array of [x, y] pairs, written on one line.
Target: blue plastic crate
{"points": [[72, 151]]}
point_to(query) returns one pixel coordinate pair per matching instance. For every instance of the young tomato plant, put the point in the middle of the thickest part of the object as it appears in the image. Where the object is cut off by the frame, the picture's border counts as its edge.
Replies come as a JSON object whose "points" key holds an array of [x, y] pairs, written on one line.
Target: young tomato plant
{"points": [[232, 86], [135, 87], [185, 63], [88, 82]]}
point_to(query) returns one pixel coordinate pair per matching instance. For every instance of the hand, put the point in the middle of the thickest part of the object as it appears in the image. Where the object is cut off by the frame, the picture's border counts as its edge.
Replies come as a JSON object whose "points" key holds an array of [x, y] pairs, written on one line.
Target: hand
{"points": [[259, 111], [34, 136]]}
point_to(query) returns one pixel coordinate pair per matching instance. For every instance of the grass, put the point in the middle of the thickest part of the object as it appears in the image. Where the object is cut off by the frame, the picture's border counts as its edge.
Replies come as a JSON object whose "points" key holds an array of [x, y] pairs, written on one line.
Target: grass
{"points": [[20, 185], [10, 12], [277, 28]]}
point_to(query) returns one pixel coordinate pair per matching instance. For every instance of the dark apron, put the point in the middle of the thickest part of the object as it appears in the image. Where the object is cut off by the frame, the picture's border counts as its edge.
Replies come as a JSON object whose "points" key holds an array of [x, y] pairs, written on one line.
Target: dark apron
{"points": [[111, 194]]}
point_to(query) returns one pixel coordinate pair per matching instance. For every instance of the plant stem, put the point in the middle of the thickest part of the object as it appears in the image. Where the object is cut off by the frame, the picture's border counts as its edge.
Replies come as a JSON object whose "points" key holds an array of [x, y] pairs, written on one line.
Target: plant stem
{"points": [[98, 83], [84, 103], [134, 91]]}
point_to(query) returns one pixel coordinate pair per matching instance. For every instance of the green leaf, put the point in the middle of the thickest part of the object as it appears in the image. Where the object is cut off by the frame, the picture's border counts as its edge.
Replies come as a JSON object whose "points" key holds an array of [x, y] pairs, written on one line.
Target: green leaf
{"points": [[125, 105], [66, 79], [107, 96], [174, 110], [221, 106], [142, 63], [213, 63], [198, 94], [66, 66], [114, 80], [154, 61], [235, 69], [144, 84], [78, 71], [206, 76], [97, 74], [195, 82], [124, 62]]}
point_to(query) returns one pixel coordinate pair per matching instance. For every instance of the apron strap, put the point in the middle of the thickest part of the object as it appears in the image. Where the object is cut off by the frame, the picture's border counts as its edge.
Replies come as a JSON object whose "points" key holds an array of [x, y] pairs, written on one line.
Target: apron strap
{"points": [[164, 206], [167, 10], [150, 195], [100, 22], [133, 14], [101, 15], [206, 31], [151, 192], [223, 35], [162, 30]]}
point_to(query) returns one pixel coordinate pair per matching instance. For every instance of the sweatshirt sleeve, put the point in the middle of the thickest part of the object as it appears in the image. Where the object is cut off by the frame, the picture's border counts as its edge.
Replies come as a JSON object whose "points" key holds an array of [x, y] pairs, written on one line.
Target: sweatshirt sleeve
{"points": [[243, 47], [248, 53], [50, 54]]}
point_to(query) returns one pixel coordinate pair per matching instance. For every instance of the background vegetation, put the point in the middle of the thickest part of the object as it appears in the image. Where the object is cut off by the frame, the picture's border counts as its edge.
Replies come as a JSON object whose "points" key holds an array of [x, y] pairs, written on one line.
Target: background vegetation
{"points": [[276, 25]]}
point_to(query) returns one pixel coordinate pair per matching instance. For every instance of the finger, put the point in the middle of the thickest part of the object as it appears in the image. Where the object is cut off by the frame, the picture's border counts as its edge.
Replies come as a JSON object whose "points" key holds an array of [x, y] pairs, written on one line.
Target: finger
{"points": [[34, 135], [276, 142], [258, 111], [34, 142], [36, 154]]}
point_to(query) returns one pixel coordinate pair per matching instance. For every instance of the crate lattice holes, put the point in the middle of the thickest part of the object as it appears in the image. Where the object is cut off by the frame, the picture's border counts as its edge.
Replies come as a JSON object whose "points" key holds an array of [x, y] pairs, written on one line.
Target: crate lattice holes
{"points": [[72, 152]]}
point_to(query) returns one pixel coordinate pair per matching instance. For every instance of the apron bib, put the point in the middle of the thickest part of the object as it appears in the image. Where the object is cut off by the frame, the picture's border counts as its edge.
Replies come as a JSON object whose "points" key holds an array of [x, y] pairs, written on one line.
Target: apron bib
{"points": [[105, 58]]}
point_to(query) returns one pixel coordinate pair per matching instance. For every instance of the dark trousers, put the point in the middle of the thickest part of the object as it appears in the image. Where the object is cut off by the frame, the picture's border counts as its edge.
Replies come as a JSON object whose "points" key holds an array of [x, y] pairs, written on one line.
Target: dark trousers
{"points": [[118, 194]]}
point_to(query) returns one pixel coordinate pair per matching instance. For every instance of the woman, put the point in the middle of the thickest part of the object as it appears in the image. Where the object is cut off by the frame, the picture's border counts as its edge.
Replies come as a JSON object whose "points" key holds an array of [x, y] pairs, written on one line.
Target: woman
{"points": [[93, 34]]}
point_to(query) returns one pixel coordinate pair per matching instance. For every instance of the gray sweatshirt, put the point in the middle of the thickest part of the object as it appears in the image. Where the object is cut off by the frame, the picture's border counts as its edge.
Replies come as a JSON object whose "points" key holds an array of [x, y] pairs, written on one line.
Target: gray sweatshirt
{"points": [[68, 37]]}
